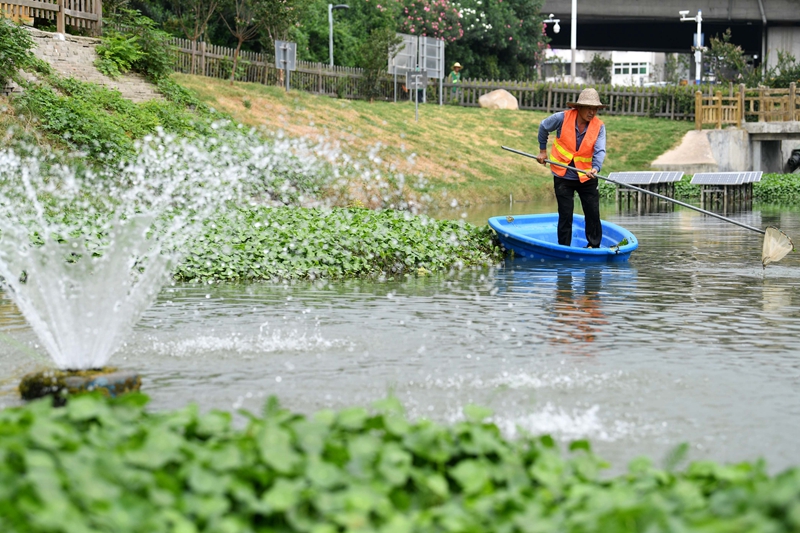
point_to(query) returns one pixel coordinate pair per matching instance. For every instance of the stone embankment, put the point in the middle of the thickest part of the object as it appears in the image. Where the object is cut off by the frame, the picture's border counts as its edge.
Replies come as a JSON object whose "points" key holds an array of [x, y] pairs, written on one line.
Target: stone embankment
{"points": [[74, 56]]}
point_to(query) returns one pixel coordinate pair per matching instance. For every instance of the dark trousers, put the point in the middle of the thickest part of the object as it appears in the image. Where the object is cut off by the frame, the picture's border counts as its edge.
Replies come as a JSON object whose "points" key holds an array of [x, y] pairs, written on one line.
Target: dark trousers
{"points": [[590, 201]]}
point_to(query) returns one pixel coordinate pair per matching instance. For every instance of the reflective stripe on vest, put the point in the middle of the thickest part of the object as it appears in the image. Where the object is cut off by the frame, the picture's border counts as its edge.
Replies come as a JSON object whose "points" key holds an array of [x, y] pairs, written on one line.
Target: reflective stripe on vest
{"points": [[564, 147]]}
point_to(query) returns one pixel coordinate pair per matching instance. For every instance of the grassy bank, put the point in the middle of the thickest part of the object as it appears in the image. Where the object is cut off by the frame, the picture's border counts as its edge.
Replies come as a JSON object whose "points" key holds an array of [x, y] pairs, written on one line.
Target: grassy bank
{"points": [[456, 149]]}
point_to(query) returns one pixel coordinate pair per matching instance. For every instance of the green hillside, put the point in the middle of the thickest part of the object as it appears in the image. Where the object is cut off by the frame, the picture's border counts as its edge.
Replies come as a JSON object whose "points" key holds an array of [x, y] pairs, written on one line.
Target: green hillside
{"points": [[457, 149]]}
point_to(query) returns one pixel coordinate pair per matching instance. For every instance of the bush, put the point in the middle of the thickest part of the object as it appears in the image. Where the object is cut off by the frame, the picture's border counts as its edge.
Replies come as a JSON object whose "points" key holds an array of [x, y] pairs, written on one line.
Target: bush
{"points": [[117, 54], [15, 50], [156, 59], [103, 124], [778, 188]]}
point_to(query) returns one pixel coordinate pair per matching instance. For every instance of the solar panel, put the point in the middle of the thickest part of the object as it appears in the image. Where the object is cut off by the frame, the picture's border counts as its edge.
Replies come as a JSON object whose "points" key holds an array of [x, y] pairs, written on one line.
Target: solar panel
{"points": [[726, 178], [645, 178]]}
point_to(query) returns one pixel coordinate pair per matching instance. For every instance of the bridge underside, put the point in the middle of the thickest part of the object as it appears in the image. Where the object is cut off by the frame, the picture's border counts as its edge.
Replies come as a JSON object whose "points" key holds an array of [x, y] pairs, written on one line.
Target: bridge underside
{"points": [[653, 36]]}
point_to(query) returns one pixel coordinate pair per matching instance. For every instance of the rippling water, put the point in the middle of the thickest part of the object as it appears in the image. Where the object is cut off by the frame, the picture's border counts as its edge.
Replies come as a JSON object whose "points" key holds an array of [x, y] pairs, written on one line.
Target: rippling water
{"points": [[692, 341]]}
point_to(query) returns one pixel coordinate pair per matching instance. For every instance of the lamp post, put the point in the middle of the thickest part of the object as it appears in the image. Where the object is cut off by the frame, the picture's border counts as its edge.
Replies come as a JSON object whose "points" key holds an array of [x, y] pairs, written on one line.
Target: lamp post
{"points": [[573, 39], [698, 48], [331, 7], [556, 29]]}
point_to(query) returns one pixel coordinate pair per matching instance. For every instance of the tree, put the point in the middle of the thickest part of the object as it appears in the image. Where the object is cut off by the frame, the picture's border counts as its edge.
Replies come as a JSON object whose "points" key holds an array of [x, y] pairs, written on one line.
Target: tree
{"points": [[431, 18], [244, 19], [729, 64], [599, 69], [351, 28], [785, 72], [193, 16], [501, 39], [280, 16], [375, 53]]}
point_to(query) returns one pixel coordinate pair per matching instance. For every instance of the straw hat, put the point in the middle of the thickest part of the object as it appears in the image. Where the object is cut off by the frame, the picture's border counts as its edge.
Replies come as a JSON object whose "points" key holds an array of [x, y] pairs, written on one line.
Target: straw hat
{"points": [[589, 98], [457, 65]]}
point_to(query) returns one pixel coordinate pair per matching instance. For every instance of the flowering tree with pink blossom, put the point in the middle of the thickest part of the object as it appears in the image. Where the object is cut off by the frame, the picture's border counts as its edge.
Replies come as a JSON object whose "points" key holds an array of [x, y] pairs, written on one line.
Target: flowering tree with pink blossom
{"points": [[432, 18], [502, 39]]}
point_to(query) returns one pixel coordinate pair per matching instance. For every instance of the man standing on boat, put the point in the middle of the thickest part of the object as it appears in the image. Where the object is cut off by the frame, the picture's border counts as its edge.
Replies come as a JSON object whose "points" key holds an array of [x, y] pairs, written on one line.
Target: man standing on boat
{"points": [[581, 143]]}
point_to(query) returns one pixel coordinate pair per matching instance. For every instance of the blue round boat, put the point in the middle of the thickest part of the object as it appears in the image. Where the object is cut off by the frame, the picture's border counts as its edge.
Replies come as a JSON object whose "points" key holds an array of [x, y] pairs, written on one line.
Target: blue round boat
{"points": [[535, 237]]}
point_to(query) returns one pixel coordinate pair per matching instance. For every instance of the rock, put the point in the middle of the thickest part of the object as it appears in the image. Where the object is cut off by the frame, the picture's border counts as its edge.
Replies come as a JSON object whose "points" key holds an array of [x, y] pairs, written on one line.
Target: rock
{"points": [[63, 383], [498, 99]]}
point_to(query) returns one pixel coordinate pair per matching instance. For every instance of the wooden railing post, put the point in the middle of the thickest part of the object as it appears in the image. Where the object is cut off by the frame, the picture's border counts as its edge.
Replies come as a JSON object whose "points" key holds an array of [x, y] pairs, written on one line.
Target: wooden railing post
{"points": [[698, 110], [740, 105], [718, 105], [98, 8], [793, 101], [61, 26], [762, 105], [202, 58]]}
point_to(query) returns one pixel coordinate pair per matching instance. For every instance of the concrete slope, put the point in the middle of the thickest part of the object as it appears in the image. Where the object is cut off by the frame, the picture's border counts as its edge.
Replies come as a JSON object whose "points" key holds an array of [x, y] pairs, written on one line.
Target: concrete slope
{"points": [[74, 56], [692, 155]]}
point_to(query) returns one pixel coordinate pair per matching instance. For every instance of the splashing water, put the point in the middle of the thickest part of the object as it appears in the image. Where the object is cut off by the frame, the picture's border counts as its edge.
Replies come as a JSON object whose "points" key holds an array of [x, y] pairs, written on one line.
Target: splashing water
{"points": [[83, 253]]}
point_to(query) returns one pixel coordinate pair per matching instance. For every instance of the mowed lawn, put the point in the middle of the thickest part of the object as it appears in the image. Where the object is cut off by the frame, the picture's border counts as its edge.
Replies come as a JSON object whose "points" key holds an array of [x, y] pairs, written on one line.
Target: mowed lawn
{"points": [[456, 149]]}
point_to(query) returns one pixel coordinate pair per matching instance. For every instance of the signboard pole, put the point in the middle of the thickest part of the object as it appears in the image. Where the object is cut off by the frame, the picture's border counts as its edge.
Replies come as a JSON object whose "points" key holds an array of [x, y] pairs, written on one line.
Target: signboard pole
{"points": [[285, 58]]}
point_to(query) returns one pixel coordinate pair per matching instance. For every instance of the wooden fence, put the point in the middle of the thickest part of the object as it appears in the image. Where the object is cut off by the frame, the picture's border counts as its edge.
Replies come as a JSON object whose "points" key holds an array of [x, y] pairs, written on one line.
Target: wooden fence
{"points": [[84, 14], [345, 82], [676, 103], [747, 105]]}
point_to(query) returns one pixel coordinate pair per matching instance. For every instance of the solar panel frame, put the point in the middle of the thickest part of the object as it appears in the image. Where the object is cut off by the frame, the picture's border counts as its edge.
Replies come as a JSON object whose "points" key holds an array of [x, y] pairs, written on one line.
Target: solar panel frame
{"points": [[726, 178], [646, 178]]}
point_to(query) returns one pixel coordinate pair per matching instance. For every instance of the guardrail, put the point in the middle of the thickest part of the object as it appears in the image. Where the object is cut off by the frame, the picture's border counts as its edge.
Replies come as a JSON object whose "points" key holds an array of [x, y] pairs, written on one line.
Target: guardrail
{"points": [[747, 105], [84, 14]]}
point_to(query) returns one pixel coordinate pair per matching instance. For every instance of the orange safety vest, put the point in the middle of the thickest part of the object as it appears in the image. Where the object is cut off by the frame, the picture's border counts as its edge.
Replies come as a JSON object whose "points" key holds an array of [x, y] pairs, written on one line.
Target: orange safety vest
{"points": [[564, 150]]}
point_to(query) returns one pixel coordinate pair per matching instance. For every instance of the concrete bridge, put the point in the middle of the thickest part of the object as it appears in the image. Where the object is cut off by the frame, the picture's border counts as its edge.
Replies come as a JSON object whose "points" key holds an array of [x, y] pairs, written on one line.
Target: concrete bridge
{"points": [[760, 27]]}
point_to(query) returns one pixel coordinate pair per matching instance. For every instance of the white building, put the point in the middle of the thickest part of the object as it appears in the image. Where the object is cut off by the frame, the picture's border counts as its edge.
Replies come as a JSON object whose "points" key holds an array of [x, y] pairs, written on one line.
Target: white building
{"points": [[628, 68]]}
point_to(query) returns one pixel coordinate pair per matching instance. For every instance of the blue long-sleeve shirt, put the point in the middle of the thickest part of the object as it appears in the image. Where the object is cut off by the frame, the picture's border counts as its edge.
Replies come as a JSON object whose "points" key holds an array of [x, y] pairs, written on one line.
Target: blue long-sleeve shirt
{"points": [[554, 123]]}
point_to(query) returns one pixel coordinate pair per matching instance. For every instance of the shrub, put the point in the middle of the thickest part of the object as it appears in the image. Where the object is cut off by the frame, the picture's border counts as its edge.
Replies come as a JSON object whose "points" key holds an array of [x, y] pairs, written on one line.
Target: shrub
{"points": [[15, 50], [157, 53], [103, 124], [117, 54]]}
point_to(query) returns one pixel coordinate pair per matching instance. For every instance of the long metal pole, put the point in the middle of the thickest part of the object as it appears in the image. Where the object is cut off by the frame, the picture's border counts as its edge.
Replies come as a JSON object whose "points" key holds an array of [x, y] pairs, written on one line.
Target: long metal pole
{"points": [[330, 33], [645, 191], [698, 54]]}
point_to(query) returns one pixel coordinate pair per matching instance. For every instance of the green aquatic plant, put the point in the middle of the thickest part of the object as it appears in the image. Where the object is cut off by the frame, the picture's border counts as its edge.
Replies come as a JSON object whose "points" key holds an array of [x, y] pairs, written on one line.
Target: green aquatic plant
{"points": [[114, 465], [261, 243]]}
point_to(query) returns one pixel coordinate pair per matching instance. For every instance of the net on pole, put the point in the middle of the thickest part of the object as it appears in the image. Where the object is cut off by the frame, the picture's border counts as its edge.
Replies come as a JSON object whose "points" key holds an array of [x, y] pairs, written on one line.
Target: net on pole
{"points": [[776, 245]]}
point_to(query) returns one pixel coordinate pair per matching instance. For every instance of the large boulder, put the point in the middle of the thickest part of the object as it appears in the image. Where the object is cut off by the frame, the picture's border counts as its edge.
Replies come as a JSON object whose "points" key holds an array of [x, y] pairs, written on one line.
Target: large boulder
{"points": [[498, 99]]}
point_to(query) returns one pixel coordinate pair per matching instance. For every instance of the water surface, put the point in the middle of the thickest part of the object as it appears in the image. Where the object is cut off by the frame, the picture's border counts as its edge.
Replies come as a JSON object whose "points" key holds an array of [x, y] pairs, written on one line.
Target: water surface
{"points": [[691, 341]]}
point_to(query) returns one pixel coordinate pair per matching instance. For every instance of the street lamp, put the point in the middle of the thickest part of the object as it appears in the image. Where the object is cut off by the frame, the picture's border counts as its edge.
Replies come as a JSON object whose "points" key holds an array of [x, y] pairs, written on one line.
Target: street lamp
{"points": [[698, 48], [573, 39], [331, 7], [556, 28]]}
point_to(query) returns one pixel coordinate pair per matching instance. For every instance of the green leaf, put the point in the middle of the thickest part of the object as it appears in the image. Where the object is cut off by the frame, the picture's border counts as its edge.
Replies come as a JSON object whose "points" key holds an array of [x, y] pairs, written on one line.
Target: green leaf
{"points": [[476, 413], [472, 475], [285, 493]]}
